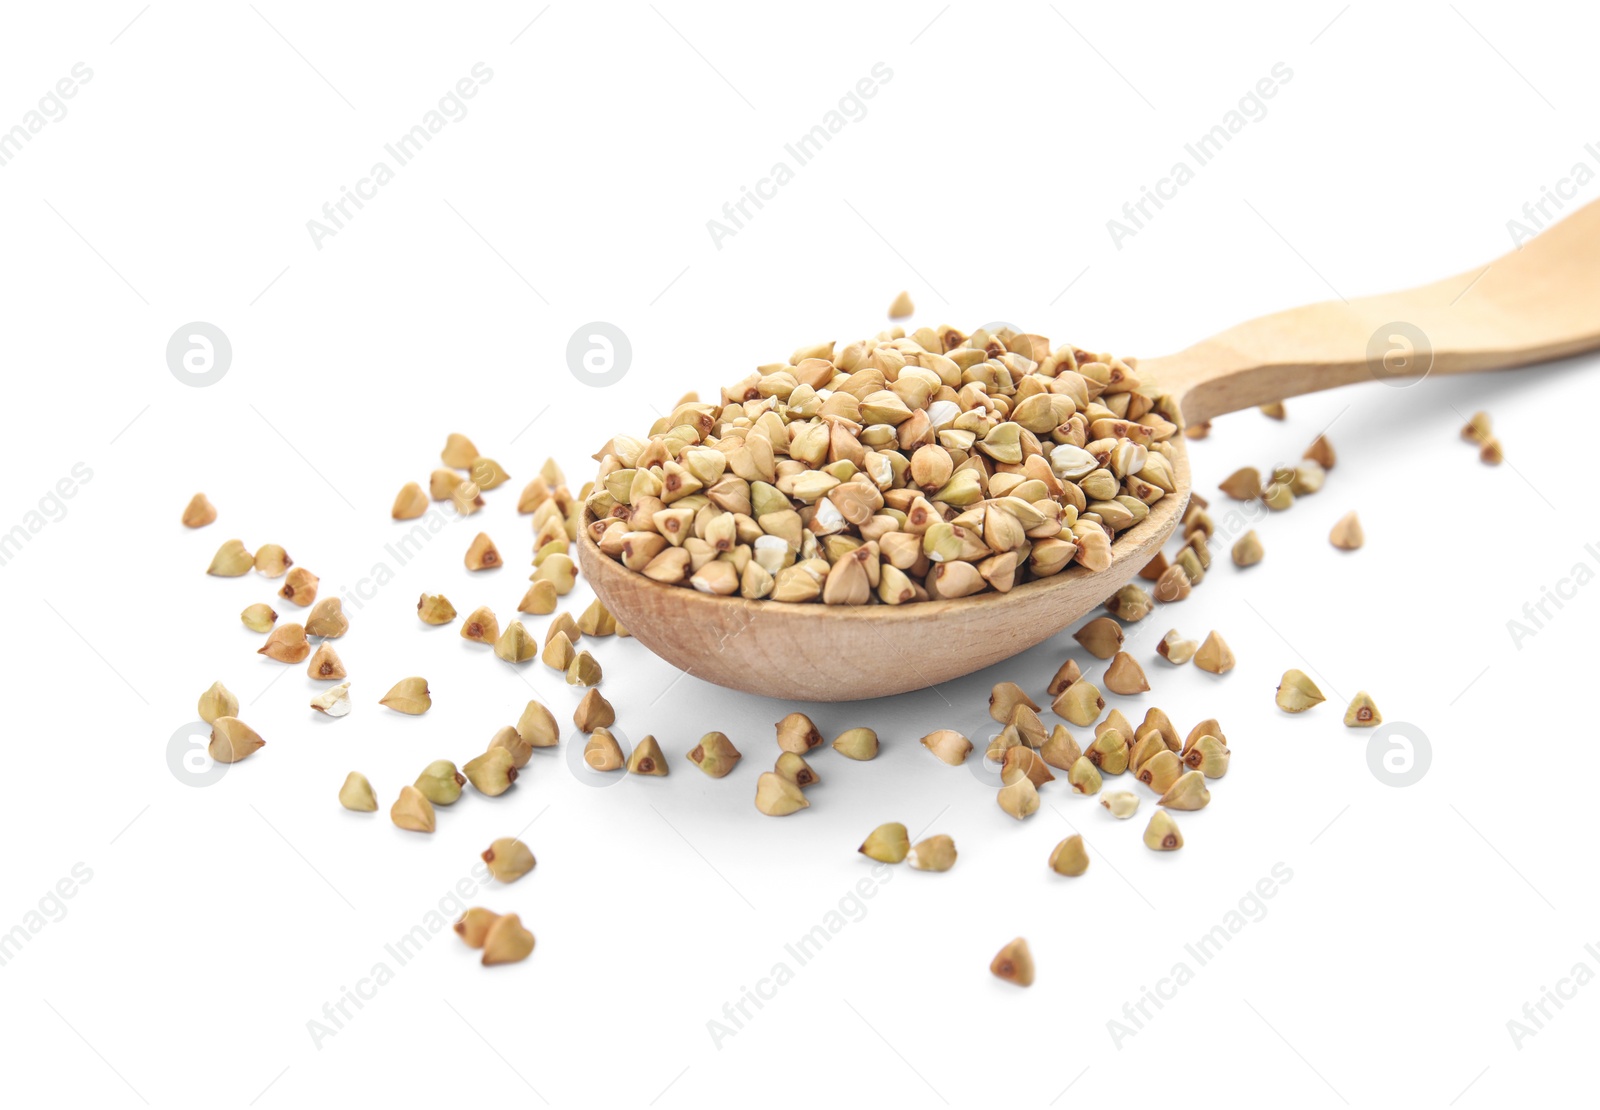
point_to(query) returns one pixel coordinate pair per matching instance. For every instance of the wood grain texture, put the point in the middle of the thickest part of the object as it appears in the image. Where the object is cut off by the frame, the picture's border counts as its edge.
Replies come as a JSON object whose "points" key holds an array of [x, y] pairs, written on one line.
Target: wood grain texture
{"points": [[1538, 303], [1534, 304], [816, 652]]}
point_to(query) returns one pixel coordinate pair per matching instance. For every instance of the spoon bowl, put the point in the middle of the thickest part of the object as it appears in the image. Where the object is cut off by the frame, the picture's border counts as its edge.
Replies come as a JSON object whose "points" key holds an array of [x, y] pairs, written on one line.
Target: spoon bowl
{"points": [[853, 652], [1538, 303]]}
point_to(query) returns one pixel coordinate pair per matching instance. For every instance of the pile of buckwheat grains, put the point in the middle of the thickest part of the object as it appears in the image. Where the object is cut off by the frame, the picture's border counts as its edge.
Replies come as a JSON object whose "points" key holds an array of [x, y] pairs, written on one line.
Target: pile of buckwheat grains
{"points": [[892, 470]]}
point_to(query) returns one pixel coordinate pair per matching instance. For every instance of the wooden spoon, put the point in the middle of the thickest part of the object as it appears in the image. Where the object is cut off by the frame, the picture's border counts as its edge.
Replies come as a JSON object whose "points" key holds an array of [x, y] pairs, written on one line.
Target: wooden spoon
{"points": [[1537, 303]]}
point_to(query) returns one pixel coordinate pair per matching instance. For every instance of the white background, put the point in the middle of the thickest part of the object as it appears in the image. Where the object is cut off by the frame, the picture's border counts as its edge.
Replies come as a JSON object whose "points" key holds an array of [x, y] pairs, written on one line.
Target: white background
{"points": [[219, 921]]}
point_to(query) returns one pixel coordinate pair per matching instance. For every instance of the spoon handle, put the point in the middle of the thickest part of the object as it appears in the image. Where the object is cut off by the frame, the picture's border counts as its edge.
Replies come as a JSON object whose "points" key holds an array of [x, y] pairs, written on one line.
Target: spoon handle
{"points": [[1538, 302]]}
